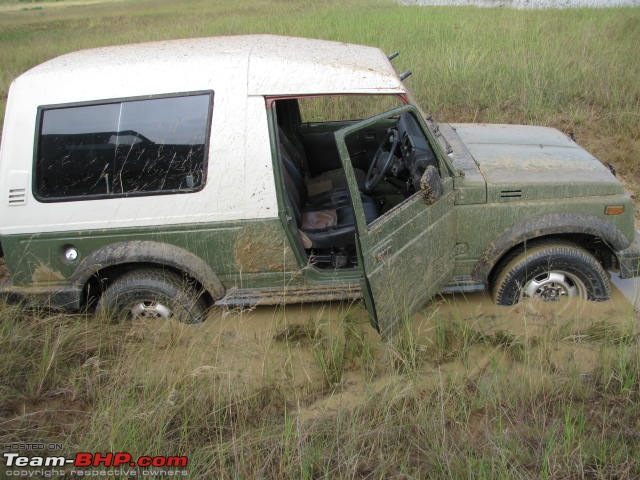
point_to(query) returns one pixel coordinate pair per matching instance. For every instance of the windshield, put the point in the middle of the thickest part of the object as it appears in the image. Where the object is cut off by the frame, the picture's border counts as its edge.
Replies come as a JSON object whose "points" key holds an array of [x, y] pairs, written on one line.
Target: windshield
{"points": [[431, 122]]}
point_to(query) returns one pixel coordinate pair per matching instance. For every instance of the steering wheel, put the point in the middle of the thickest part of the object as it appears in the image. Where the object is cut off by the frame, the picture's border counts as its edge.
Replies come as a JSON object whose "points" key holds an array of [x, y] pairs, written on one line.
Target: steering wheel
{"points": [[382, 160]]}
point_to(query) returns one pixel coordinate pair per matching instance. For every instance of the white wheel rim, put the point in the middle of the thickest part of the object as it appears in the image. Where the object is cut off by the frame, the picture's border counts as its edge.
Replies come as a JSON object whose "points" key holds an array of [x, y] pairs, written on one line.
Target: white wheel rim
{"points": [[150, 309], [554, 286]]}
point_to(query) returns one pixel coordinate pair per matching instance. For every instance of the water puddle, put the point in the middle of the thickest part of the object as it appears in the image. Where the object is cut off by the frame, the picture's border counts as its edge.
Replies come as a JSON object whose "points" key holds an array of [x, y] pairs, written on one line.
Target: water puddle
{"points": [[40, 5]]}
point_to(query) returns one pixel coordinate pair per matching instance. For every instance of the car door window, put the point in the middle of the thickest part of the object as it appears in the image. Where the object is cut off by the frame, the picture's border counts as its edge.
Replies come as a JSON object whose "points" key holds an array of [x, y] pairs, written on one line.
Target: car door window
{"points": [[404, 163]]}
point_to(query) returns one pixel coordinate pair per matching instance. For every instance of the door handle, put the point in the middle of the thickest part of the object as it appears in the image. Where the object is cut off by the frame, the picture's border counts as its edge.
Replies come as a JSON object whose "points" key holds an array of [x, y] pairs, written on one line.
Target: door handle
{"points": [[382, 253]]}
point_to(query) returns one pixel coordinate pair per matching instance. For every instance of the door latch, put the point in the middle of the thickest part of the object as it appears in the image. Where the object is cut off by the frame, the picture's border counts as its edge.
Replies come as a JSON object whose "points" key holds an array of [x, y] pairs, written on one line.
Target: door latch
{"points": [[383, 253]]}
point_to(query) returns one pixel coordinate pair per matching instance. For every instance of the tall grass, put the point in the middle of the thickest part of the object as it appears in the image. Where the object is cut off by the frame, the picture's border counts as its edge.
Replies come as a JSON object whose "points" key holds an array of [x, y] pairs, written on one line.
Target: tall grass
{"points": [[467, 401]]}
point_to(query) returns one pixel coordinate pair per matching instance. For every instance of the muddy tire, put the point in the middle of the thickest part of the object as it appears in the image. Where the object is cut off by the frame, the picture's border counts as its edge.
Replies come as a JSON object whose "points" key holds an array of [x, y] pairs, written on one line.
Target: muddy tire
{"points": [[152, 294], [551, 272]]}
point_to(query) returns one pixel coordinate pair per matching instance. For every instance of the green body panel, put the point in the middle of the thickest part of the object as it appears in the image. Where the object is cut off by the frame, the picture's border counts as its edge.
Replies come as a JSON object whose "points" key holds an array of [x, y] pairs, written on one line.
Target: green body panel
{"points": [[521, 162], [510, 174], [408, 256], [406, 253], [478, 226], [469, 183], [243, 254]]}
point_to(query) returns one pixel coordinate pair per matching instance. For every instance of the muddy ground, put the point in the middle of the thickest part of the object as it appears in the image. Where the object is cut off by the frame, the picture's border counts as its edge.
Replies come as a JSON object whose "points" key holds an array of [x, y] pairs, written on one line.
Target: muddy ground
{"points": [[454, 336]]}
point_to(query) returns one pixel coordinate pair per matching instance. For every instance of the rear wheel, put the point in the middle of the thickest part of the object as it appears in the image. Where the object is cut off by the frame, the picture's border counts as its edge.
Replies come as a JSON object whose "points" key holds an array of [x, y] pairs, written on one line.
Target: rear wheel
{"points": [[153, 294], [551, 272]]}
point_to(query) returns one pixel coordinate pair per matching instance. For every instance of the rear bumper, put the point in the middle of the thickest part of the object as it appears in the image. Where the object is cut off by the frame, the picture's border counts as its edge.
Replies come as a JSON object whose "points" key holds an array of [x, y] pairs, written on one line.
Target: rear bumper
{"points": [[629, 259]]}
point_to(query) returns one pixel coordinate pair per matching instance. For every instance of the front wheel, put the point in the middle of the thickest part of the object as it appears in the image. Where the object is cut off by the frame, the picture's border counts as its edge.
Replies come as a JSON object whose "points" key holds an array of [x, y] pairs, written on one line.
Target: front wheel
{"points": [[152, 294], [551, 272]]}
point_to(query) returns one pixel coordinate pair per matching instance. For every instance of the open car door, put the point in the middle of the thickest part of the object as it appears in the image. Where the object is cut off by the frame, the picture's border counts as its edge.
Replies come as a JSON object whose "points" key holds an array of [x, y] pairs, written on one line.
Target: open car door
{"points": [[407, 253]]}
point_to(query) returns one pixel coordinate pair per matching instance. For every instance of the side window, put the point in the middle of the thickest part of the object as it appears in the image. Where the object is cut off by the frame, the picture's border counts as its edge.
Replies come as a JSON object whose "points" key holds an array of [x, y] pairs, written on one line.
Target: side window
{"points": [[126, 148]]}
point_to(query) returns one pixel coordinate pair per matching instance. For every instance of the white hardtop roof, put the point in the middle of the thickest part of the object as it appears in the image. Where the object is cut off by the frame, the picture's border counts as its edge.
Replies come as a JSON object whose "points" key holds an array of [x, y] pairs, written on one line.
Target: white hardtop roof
{"points": [[263, 64]]}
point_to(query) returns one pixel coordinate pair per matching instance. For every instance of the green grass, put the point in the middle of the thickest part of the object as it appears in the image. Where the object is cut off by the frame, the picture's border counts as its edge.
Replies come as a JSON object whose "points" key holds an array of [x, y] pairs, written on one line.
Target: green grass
{"points": [[314, 393]]}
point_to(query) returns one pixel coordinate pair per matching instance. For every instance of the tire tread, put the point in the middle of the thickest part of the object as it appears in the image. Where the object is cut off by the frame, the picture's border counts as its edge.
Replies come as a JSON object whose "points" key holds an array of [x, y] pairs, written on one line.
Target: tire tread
{"points": [[513, 268], [164, 282]]}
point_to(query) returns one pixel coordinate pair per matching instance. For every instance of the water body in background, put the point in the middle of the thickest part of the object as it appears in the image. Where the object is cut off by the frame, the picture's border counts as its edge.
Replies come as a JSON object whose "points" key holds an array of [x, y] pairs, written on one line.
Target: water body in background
{"points": [[526, 4]]}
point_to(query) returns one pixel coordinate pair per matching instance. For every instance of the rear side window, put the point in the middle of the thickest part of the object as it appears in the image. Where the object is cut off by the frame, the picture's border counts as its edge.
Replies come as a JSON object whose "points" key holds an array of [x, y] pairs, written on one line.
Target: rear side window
{"points": [[123, 148]]}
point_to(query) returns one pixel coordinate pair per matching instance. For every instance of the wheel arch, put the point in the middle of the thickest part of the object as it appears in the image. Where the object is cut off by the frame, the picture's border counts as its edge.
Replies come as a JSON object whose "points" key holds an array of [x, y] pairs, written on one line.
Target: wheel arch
{"points": [[593, 234], [117, 258]]}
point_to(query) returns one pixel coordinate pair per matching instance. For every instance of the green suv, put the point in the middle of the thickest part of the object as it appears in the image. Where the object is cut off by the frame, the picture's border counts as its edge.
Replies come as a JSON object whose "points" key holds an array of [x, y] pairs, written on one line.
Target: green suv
{"points": [[161, 179]]}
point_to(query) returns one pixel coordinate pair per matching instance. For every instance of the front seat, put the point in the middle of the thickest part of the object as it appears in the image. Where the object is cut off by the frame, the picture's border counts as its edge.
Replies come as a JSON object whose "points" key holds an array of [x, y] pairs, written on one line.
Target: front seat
{"points": [[324, 221]]}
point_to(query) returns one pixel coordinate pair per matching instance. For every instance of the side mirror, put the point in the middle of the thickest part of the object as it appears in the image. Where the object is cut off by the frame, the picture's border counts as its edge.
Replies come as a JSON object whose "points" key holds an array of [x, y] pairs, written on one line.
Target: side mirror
{"points": [[431, 185]]}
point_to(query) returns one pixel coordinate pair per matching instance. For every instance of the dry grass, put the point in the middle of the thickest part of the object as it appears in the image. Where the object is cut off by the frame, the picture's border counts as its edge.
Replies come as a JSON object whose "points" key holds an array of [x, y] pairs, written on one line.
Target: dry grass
{"points": [[310, 392]]}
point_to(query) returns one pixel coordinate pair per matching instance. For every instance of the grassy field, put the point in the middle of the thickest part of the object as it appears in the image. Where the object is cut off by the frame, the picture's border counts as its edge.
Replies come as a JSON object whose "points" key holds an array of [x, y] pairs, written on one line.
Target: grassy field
{"points": [[469, 391], [311, 392]]}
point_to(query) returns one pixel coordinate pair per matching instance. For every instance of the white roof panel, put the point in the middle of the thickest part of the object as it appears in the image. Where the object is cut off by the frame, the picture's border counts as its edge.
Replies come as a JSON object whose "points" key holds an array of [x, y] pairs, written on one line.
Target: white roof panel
{"points": [[286, 65], [266, 64]]}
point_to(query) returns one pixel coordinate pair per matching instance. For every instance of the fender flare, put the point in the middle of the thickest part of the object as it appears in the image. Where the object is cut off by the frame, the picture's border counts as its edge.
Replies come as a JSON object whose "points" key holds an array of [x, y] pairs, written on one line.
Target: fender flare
{"points": [[139, 251], [549, 224]]}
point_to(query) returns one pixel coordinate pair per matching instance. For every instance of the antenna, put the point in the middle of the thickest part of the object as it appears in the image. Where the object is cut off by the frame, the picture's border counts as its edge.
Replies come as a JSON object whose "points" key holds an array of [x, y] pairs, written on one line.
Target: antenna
{"points": [[405, 74], [393, 55]]}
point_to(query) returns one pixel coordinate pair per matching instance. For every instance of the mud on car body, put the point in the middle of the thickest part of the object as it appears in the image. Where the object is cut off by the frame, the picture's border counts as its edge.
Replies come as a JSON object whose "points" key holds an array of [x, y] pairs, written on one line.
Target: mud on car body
{"points": [[169, 177]]}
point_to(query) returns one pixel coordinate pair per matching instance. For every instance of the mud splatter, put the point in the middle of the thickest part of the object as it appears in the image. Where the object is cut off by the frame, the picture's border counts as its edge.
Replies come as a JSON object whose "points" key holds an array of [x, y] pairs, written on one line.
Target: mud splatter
{"points": [[263, 248], [44, 274]]}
